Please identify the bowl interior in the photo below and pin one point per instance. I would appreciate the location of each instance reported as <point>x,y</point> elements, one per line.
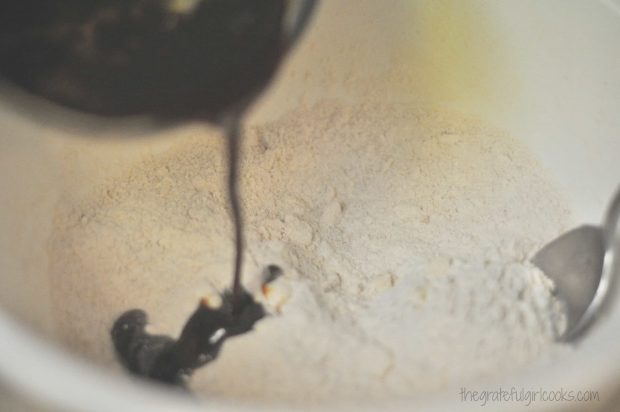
<point>544,71</point>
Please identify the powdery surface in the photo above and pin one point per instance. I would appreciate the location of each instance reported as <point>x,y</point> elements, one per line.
<point>404,235</point>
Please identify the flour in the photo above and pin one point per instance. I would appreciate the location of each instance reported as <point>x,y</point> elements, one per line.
<point>404,235</point>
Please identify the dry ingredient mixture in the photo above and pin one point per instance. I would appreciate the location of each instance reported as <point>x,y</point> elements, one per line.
<point>403,233</point>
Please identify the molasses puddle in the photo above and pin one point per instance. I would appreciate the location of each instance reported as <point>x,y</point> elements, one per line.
<point>163,359</point>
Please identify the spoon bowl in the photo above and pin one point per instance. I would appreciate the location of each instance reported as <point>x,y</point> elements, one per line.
<point>581,263</point>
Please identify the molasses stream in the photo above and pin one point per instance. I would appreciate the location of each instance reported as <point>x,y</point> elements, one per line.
<point>172,60</point>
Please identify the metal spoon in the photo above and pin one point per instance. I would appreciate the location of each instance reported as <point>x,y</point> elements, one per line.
<point>583,264</point>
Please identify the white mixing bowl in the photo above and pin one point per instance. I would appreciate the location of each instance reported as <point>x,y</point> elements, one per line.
<point>547,71</point>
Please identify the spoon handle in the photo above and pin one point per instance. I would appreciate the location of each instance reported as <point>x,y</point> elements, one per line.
<point>610,224</point>
<point>611,239</point>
